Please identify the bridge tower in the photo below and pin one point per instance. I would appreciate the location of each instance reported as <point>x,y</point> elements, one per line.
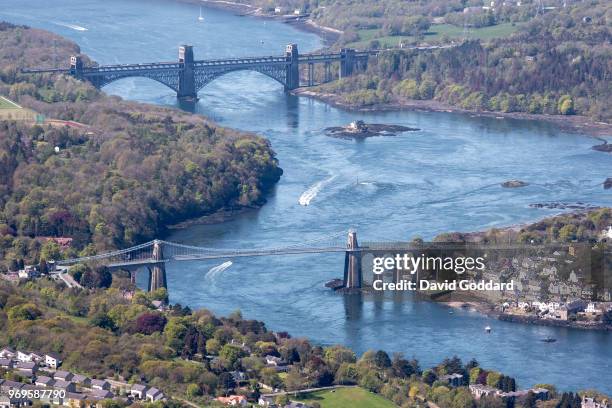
<point>352,263</point>
<point>157,277</point>
<point>347,62</point>
<point>76,66</point>
<point>292,73</point>
<point>187,87</point>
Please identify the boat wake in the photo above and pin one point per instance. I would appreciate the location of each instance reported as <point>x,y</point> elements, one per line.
<point>72,26</point>
<point>312,191</point>
<point>216,270</point>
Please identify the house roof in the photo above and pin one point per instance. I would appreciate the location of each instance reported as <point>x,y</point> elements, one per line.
<point>5,361</point>
<point>44,380</point>
<point>99,382</point>
<point>61,384</point>
<point>76,396</point>
<point>451,376</point>
<point>101,394</point>
<point>153,391</point>
<point>79,378</point>
<point>53,355</point>
<point>26,365</point>
<point>139,387</point>
<point>11,384</point>
<point>62,374</point>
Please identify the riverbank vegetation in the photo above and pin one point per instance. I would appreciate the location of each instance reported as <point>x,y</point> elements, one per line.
<point>582,226</point>
<point>194,355</point>
<point>108,173</point>
<point>529,56</point>
<point>555,64</point>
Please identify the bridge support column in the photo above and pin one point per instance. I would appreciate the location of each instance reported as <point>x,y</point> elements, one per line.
<point>347,62</point>
<point>327,72</point>
<point>352,263</point>
<point>311,74</point>
<point>157,277</point>
<point>292,73</point>
<point>187,87</point>
<point>133,277</point>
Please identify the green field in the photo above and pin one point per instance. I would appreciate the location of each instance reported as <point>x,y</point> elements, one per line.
<point>6,104</point>
<point>436,33</point>
<point>347,397</point>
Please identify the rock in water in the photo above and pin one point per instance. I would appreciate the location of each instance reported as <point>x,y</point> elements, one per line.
<point>514,184</point>
<point>608,183</point>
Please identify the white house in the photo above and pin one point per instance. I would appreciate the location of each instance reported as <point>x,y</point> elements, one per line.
<point>153,394</point>
<point>139,391</point>
<point>266,400</point>
<point>7,352</point>
<point>24,356</point>
<point>53,360</point>
<point>274,361</point>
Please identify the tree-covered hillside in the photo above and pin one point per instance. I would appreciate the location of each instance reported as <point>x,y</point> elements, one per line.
<point>122,177</point>
<point>534,56</point>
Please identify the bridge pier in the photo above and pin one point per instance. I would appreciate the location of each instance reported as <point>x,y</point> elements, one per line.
<point>347,62</point>
<point>327,77</point>
<point>157,273</point>
<point>352,263</point>
<point>187,86</point>
<point>292,70</point>
<point>310,74</point>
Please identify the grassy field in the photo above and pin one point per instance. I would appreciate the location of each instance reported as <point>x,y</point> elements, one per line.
<point>435,33</point>
<point>6,104</point>
<point>347,397</point>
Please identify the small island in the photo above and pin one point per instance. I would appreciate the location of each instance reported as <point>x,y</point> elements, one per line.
<point>360,130</point>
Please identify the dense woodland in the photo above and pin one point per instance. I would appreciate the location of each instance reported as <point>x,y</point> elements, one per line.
<point>120,180</point>
<point>556,63</point>
<point>557,59</point>
<point>103,333</point>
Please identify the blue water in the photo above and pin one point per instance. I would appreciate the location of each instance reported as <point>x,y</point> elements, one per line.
<point>445,177</point>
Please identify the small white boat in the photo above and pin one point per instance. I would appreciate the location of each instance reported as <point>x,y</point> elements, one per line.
<point>488,329</point>
<point>200,17</point>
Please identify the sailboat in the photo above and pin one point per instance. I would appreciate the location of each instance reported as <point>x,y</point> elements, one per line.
<point>200,18</point>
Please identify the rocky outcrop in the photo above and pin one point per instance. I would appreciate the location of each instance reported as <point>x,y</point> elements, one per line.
<point>514,184</point>
<point>361,130</point>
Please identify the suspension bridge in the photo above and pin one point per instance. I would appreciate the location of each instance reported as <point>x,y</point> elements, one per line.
<point>154,255</point>
<point>187,76</point>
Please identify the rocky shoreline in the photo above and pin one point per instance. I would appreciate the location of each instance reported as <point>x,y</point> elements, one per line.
<point>570,123</point>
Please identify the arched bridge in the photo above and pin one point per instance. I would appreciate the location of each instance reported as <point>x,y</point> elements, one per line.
<point>187,76</point>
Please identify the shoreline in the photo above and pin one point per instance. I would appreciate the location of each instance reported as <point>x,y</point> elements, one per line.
<point>569,123</point>
<point>328,35</point>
